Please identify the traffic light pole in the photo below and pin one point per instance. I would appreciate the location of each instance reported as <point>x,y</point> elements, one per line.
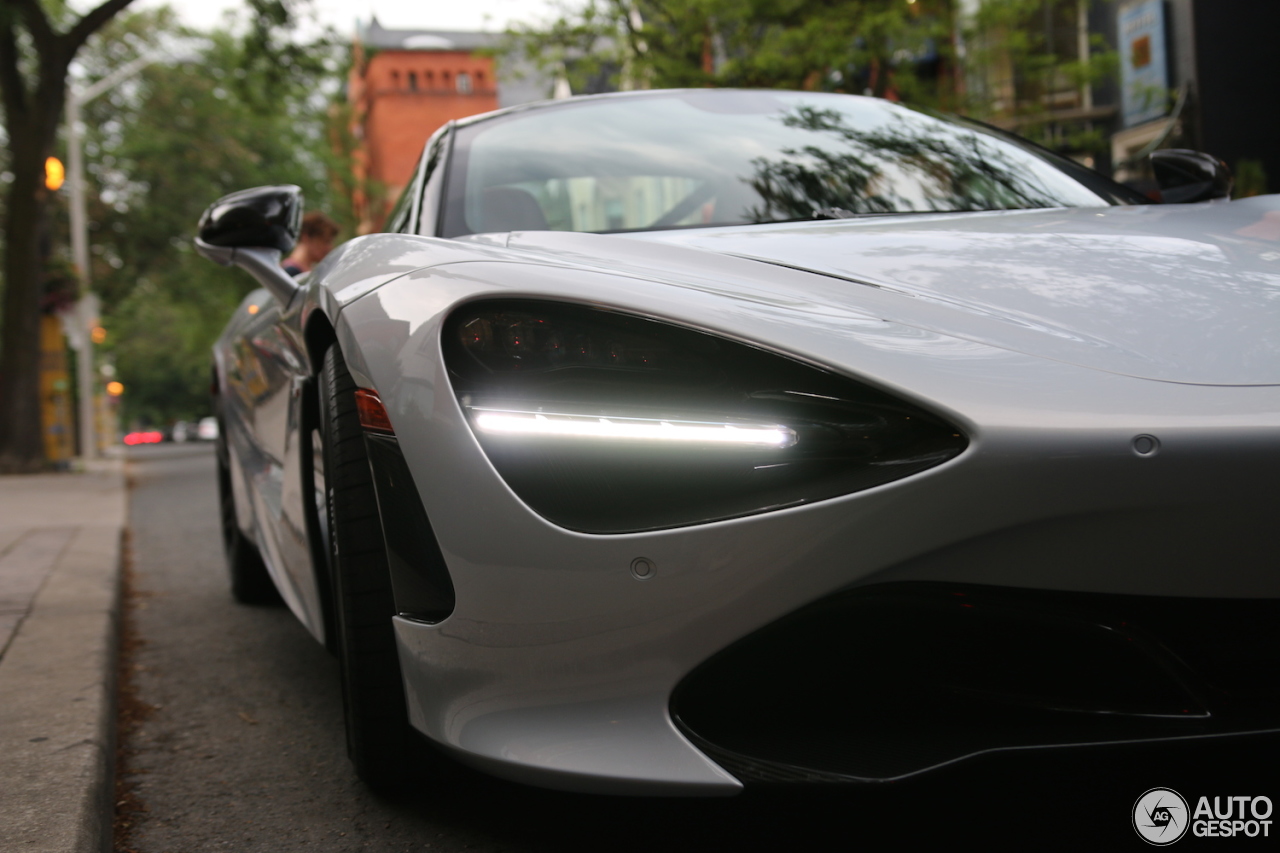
<point>82,336</point>
<point>86,311</point>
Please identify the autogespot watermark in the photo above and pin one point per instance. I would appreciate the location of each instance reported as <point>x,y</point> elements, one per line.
<point>1161,816</point>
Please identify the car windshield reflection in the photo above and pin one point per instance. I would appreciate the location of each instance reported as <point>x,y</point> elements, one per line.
<point>700,159</point>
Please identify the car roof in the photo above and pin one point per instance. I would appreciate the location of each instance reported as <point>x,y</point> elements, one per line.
<point>577,100</point>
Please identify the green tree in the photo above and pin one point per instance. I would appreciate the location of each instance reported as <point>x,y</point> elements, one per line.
<point>1025,65</point>
<point>160,150</point>
<point>885,47</point>
<point>1017,63</point>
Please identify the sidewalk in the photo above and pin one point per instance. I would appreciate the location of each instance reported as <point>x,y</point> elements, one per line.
<point>60,540</point>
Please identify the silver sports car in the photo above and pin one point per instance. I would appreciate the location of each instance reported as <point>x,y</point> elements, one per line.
<point>670,442</point>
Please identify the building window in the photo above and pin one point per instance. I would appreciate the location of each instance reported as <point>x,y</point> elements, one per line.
<point>413,81</point>
<point>430,79</point>
<point>464,83</point>
<point>444,75</point>
<point>395,79</point>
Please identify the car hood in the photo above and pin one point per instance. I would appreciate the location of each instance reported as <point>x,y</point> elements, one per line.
<point>1178,293</point>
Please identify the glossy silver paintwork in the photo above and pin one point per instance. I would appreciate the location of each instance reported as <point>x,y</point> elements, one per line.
<point>1181,293</point>
<point>557,665</point>
<point>261,371</point>
<point>261,263</point>
<point>262,362</point>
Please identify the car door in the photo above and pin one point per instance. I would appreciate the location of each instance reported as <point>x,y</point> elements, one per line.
<point>268,377</point>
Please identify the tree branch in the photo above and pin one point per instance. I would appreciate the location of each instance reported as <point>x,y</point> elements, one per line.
<point>42,32</point>
<point>91,22</point>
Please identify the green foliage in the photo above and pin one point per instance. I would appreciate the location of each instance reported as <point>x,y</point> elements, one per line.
<point>161,341</point>
<point>277,66</point>
<point>1251,178</point>
<point>583,43</point>
<point>1023,61</point>
<point>159,149</point>
<point>889,47</point>
<point>1021,58</point>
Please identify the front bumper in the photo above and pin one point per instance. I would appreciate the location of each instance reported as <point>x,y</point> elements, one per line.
<point>885,681</point>
<point>558,665</point>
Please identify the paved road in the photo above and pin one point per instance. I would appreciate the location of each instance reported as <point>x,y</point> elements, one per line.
<point>245,751</point>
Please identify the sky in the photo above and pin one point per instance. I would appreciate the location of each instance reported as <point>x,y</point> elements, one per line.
<point>493,15</point>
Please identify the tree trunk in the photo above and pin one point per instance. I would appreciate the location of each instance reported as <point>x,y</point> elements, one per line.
<point>21,441</point>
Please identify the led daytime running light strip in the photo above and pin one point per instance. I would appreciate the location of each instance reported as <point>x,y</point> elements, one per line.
<point>503,422</point>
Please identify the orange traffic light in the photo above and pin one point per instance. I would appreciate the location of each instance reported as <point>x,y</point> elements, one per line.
<point>98,334</point>
<point>54,173</point>
<point>115,389</point>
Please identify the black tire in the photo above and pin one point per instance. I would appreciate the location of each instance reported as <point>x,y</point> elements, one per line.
<point>250,581</point>
<point>380,741</point>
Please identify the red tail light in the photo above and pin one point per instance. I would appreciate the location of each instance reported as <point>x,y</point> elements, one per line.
<point>373,415</point>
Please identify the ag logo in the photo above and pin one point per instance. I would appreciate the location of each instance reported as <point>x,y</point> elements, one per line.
<point>1160,816</point>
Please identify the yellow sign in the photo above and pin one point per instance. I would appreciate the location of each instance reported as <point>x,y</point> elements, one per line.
<point>54,173</point>
<point>55,397</point>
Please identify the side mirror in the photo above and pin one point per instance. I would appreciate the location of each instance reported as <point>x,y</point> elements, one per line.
<point>251,229</point>
<point>260,218</point>
<point>1188,176</point>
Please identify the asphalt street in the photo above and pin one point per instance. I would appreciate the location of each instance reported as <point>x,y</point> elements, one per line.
<point>244,750</point>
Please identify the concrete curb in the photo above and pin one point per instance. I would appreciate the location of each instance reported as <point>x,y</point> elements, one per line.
<point>57,690</point>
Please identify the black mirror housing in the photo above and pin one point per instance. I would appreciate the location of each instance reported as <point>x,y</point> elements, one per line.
<point>260,218</point>
<point>1187,176</point>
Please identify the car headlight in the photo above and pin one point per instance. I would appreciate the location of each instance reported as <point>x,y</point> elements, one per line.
<point>605,422</point>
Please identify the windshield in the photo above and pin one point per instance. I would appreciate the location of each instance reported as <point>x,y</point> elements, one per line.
<point>716,157</point>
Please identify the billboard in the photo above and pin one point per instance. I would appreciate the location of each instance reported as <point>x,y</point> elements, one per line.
<point>1144,69</point>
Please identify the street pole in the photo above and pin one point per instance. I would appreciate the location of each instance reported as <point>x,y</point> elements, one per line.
<point>82,322</point>
<point>85,317</point>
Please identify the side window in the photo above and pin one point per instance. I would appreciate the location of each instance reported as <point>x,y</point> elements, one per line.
<point>432,181</point>
<point>405,216</point>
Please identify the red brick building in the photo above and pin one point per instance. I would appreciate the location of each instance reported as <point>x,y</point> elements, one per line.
<point>404,84</point>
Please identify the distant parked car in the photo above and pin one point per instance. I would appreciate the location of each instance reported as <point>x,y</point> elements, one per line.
<point>149,436</point>
<point>207,429</point>
<point>184,431</point>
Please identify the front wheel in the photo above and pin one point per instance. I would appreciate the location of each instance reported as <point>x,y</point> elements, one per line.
<point>380,740</point>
